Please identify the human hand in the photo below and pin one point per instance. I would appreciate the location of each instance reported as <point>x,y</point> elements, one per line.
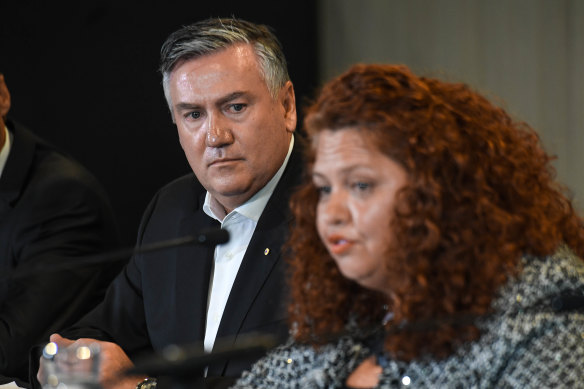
<point>113,363</point>
<point>366,375</point>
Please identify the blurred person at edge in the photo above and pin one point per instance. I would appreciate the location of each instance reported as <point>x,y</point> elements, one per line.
<point>431,237</point>
<point>52,212</point>
<point>229,93</point>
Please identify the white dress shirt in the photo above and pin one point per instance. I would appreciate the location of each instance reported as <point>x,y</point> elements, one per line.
<point>5,150</point>
<point>241,223</point>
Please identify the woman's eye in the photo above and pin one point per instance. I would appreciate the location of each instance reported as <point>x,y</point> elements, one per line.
<point>323,189</point>
<point>361,185</point>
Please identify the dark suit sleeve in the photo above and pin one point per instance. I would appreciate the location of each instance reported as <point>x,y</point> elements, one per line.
<point>120,317</point>
<point>62,217</point>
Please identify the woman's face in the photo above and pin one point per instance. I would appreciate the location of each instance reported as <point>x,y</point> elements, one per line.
<point>357,187</point>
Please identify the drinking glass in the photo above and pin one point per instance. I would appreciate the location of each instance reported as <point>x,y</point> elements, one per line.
<point>73,367</point>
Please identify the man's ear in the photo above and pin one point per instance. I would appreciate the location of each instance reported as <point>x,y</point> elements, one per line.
<point>288,101</point>
<point>4,97</point>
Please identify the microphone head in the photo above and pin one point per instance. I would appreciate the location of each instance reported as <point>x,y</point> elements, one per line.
<point>567,302</point>
<point>212,236</point>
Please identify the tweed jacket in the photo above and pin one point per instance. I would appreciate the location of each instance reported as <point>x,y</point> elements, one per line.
<point>534,339</point>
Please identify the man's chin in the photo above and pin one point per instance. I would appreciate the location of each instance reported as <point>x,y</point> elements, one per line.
<point>230,188</point>
<point>232,195</point>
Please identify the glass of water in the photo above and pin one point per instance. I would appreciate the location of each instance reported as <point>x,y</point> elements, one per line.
<point>73,367</point>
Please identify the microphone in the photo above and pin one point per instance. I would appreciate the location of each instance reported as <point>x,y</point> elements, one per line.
<point>568,302</point>
<point>183,361</point>
<point>207,237</point>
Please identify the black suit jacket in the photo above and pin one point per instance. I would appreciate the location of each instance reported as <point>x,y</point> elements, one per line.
<point>51,210</point>
<point>161,298</point>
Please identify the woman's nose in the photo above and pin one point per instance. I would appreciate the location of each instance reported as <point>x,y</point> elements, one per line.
<point>334,210</point>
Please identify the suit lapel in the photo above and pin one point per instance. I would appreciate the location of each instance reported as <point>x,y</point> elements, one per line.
<point>260,257</point>
<point>262,254</point>
<point>193,269</point>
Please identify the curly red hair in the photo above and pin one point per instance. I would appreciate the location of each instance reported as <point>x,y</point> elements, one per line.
<point>481,193</point>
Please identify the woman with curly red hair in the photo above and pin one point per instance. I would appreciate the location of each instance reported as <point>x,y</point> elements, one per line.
<point>431,246</point>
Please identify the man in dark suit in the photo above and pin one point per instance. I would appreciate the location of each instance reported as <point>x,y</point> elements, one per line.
<point>52,212</point>
<point>230,95</point>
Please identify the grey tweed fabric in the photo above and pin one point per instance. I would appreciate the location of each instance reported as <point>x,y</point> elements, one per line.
<point>529,342</point>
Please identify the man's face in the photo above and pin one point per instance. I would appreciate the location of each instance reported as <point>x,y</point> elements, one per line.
<point>4,108</point>
<point>4,97</point>
<point>234,134</point>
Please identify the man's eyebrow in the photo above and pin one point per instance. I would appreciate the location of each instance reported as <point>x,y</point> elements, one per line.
<point>186,106</point>
<point>230,97</point>
<point>220,101</point>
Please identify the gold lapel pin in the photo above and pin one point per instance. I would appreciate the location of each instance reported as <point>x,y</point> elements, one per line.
<point>266,251</point>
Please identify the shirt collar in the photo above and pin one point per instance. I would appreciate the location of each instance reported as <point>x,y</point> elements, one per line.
<point>5,150</point>
<point>253,208</point>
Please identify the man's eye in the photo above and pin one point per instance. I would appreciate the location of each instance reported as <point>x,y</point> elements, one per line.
<point>237,107</point>
<point>194,115</point>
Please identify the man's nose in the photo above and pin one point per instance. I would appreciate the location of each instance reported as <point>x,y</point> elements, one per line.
<point>218,134</point>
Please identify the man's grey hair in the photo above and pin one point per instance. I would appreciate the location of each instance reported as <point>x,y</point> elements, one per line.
<point>211,35</point>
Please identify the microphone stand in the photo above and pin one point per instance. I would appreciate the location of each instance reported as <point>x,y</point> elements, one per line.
<point>207,237</point>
